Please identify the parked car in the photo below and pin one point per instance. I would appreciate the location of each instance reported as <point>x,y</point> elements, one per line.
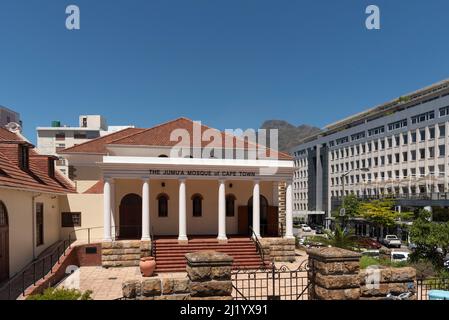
<point>392,240</point>
<point>368,243</point>
<point>319,230</point>
<point>371,253</point>
<point>306,228</point>
<point>399,256</point>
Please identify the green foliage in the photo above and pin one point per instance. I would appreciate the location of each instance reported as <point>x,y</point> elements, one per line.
<point>428,236</point>
<point>62,294</point>
<point>379,212</point>
<point>367,261</point>
<point>338,238</point>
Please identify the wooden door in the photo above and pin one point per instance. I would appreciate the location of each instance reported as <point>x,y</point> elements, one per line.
<point>131,217</point>
<point>273,222</point>
<point>243,222</point>
<point>4,243</point>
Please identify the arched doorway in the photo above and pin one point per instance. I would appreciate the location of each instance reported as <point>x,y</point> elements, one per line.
<point>131,217</point>
<point>4,243</point>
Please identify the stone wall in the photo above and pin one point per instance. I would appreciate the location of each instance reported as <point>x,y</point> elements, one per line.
<point>335,275</point>
<point>208,278</point>
<point>378,282</point>
<point>126,253</point>
<point>278,249</point>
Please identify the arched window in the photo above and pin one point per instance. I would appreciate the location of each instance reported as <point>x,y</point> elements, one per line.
<point>162,208</point>
<point>230,205</point>
<point>3,215</point>
<point>197,205</point>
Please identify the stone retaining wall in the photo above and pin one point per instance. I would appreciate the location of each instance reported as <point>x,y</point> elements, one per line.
<point>126,253</point>
<point>378,282</point>
<point>335,275</point>
<point>278,249</point>
<point>208,278</point>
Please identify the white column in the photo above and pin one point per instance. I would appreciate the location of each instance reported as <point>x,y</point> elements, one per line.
<point>113,226</point>
<point>182,211</point>
<point>256,208</point>
<point>289,211</point>
<point>222,211</point>
<point>107,210</point>
<point>146,210</point>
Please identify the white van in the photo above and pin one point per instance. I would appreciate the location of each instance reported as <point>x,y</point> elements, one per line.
<point>399,256</point>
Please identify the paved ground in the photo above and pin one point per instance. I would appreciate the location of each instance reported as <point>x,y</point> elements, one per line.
<point>106,284</point>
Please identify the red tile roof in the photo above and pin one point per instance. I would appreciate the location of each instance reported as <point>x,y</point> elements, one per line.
<point>98,146</point>
<point>158,136</point>
<point>36,178</point>
<point>96,188</point>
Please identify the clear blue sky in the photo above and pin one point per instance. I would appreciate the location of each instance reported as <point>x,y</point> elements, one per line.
<point>229,63</point>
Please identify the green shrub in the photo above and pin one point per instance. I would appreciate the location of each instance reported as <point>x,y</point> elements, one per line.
<point>62,294</point>
<point>367,261</point>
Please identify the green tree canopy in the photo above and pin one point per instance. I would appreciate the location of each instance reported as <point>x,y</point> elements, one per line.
<point>379,212</point>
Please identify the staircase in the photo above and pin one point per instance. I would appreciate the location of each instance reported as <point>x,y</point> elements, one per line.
<point>170,255</point>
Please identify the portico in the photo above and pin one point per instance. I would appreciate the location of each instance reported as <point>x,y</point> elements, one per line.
<point>207,200</point>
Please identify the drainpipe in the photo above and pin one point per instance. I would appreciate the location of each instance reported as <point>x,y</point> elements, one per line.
<point>33,225</point>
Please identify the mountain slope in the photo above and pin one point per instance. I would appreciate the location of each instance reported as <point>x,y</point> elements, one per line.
<point>289,135</point>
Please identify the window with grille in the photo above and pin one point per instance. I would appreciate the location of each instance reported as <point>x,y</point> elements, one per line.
<point>39,224</point>
<point>71,219</point>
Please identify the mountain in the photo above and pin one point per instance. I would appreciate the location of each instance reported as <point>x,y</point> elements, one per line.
<point>289,135</point>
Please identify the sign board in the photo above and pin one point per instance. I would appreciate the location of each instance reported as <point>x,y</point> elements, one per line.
<point>201,173</point>
<point>342,212</point>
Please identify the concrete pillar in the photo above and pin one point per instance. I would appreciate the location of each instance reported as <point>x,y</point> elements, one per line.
<point>222,211</point>
<point>289,211</point>
<point>256,208</point>
<point>107,210</point>
<point>146,210</point>
<point>182,236</point>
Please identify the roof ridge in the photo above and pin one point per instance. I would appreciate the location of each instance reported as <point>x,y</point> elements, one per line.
<point>152,128</point>
<point>103,137</point>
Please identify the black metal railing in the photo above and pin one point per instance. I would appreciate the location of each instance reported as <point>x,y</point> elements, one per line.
<point>153,244</point>
<point>259,248</point>
<point>425,285</point>
<point>404,196</point>
<point>30,275</point>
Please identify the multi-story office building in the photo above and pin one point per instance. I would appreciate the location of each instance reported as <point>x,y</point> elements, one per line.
<point>51,140</point>
<point>400,149</point>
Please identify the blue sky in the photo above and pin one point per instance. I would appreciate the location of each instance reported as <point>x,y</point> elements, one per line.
<point>229,63</point>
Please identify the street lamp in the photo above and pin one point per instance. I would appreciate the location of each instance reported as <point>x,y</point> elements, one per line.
<point>343,176</point>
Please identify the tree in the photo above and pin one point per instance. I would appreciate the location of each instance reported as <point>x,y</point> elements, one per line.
<point>379,212</point>
<point>351,204</point>
<point>431,239</point>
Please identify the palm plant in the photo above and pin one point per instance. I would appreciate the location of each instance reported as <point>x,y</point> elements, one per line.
<point>339,238</point>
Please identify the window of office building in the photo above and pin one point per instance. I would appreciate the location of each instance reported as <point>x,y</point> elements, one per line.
<point>405,138</point>
<point>376,145</point>
<point>390,159</point>
<point>422,153</point>
<point>413,171</point>
<point>442,130</point>
<point>396,158</point>
<point>431,152</point>
<point>422,134</point>
<point>423,117</point>
<point>413,155</point>
<point>376,162</point>
<point>376,131</point>
<point>441,169</point>
<point>431,170</point>
<point>404,173</point>
<point>432,133</point>
<point>382,160</point>
<point>444,111</point>
<point>397,125</point>
<point>413,134</point>
<point>422,171</point>
<point>382,144</point>
<point>442,150</point>
<point>404,156</point>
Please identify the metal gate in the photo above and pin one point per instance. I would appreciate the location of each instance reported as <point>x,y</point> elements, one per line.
<point>271,283</point>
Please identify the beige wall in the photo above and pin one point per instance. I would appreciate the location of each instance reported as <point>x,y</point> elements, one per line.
<point>91,206</point>
<point>21,230</point>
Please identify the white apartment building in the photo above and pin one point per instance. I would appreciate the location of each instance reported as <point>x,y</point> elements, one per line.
<point>8,116</point>
<point>399,149</point>
<point>51,140</point>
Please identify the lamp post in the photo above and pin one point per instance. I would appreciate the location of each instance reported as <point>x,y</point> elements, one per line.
<point>343,176</point>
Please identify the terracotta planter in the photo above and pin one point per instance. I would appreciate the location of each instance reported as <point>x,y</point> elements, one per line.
<point>147,266</point>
